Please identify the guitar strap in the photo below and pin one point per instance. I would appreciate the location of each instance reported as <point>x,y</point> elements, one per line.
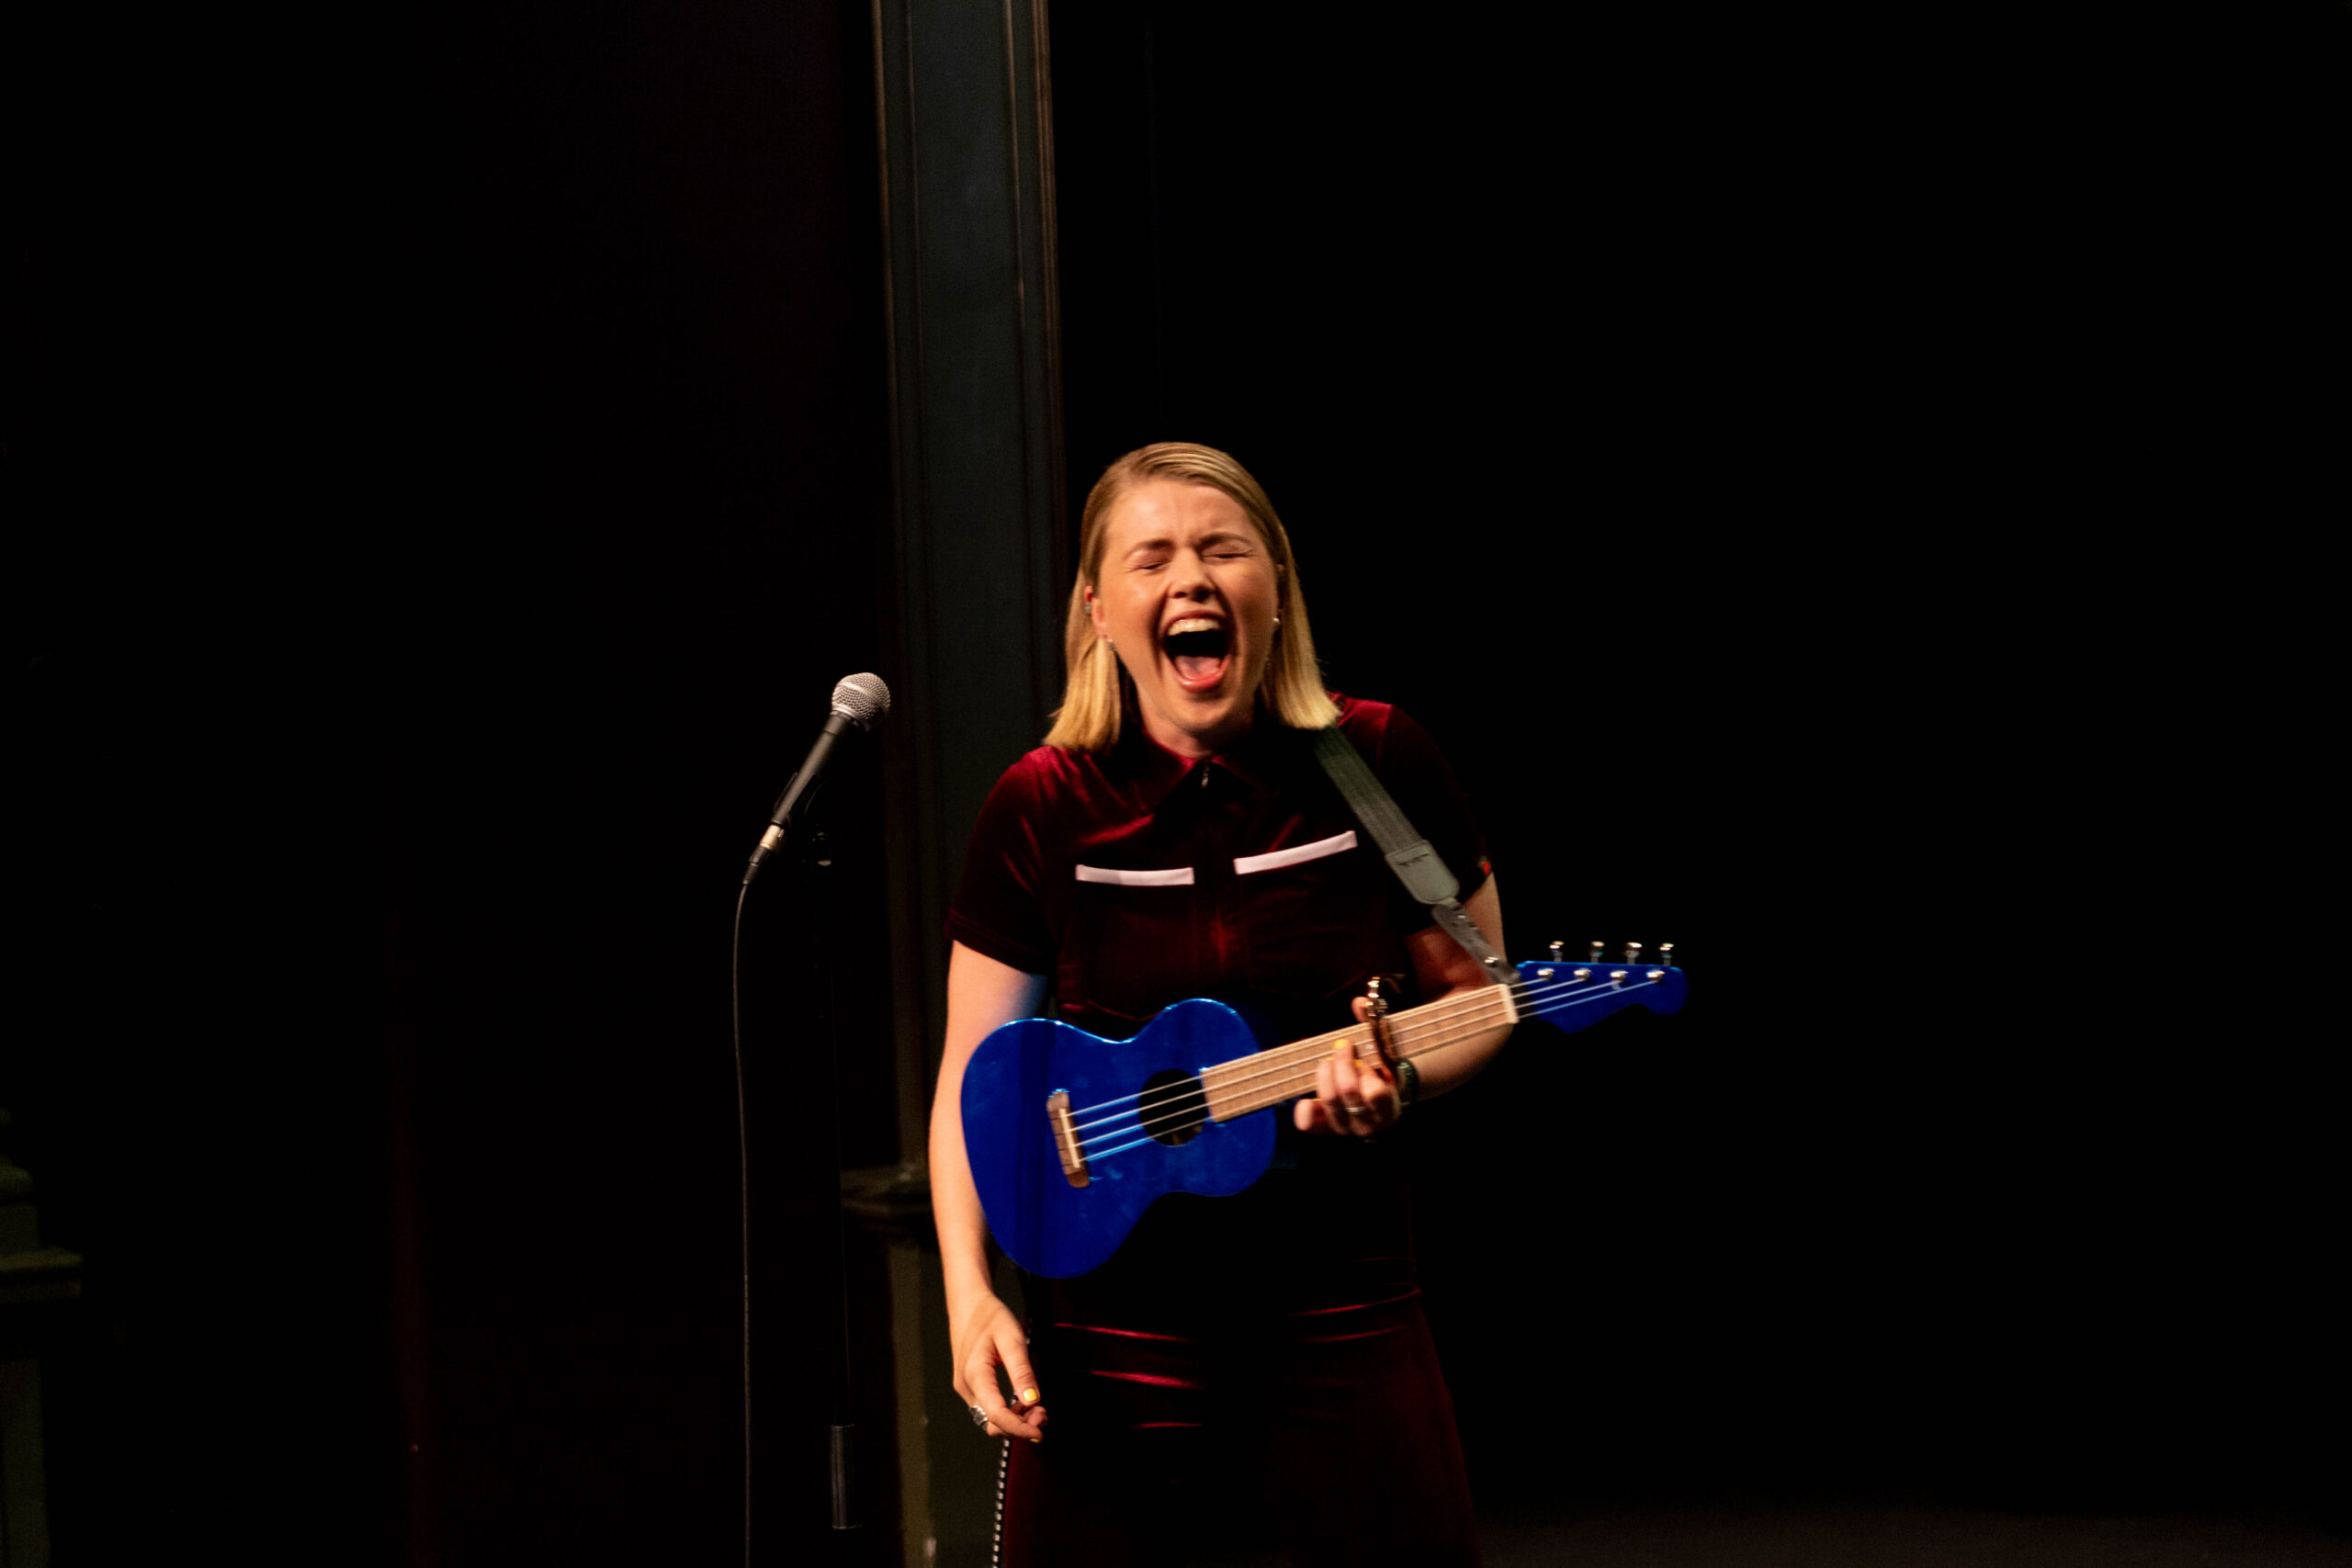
<point>1408,854</point>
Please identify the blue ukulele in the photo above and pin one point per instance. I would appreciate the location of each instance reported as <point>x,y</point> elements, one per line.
<point>1071,1137</point>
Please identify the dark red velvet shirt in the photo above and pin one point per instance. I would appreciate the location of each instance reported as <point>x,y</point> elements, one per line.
<point>1135,878</point>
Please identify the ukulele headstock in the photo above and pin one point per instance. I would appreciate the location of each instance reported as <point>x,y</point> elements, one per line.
<point>1571,990</point>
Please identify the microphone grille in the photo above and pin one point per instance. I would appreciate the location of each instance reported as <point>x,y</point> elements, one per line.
<point>861,699</point>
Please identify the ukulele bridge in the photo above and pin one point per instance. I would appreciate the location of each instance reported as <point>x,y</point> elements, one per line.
<point>1065,1137</point>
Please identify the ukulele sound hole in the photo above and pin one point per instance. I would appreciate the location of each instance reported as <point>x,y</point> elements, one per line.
<point>1173,1106</point>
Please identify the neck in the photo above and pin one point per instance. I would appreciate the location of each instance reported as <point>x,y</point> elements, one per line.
<point>1252,1083</point>
<point>1196,744</point>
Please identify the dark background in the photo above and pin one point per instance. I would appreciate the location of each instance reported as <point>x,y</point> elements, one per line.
<point>457,464</point>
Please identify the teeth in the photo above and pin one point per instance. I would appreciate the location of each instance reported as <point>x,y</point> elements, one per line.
<point>1194,624</point>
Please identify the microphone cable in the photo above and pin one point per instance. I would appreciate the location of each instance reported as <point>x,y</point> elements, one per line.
<point>743,1197</point>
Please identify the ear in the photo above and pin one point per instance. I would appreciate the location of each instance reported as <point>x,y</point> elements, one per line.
<point>1094,612</point>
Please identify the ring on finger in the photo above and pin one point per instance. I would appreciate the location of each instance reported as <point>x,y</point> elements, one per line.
<point>980,1417</point>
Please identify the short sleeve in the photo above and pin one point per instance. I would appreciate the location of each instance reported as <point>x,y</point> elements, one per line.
<point>1418,778</point>
<point>1000,906</point>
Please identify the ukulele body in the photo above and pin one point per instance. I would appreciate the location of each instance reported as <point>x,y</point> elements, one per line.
<point>1046,1224</point>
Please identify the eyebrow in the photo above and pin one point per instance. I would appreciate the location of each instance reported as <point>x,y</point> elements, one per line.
<point>1222,536</point>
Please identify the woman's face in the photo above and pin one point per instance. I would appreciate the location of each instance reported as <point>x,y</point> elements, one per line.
<point>1186,593</point>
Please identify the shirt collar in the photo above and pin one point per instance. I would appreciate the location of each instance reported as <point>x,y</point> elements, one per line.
<point>1255,761</point>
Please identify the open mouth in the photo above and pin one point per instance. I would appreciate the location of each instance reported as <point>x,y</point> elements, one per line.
<point>1197,649</point>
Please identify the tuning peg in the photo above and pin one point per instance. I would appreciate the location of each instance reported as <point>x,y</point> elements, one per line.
<point>1666,954</point>
<point>1617,977</point>
<point>1633,952</point>
<point>1559,953</point>
<point>1595,953</point>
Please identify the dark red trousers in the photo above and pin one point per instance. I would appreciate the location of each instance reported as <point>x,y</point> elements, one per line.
<point>1205,1423</point>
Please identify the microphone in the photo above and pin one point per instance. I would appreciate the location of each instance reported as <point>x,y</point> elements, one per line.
<point>859,700</point>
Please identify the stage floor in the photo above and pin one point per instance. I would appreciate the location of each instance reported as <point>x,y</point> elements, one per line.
<point>1899,1537</point>
<point>1893,1536</point>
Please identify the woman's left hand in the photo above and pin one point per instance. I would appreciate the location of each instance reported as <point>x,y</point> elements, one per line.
<point>1353,1099</point>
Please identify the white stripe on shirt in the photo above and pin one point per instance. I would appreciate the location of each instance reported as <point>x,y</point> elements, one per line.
<point>1180,878</point>
<point>1244,864</point>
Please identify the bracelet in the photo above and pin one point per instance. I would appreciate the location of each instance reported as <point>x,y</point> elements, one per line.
<point>1409,1084</point>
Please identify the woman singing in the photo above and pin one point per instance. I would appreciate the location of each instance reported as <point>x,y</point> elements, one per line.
<point>1250,1362</point>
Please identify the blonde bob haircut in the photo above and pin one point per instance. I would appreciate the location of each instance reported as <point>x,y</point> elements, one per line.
<point>1100,695</point>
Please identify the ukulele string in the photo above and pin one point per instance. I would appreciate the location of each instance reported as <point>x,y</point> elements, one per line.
<point>1094,1157</point>
<point>1434,1012</point>
<point>1299,1061</point>
<point>1280,1059</point>
<point>1298,1073</point>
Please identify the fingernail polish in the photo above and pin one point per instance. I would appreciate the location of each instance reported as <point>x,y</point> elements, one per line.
<point>1028,1397</point>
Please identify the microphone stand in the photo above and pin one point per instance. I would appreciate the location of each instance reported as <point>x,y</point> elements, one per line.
<point>812,858</point>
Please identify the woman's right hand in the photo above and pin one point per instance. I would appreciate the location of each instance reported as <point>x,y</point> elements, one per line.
<point>989,1337</point>
<point>982,995</point>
